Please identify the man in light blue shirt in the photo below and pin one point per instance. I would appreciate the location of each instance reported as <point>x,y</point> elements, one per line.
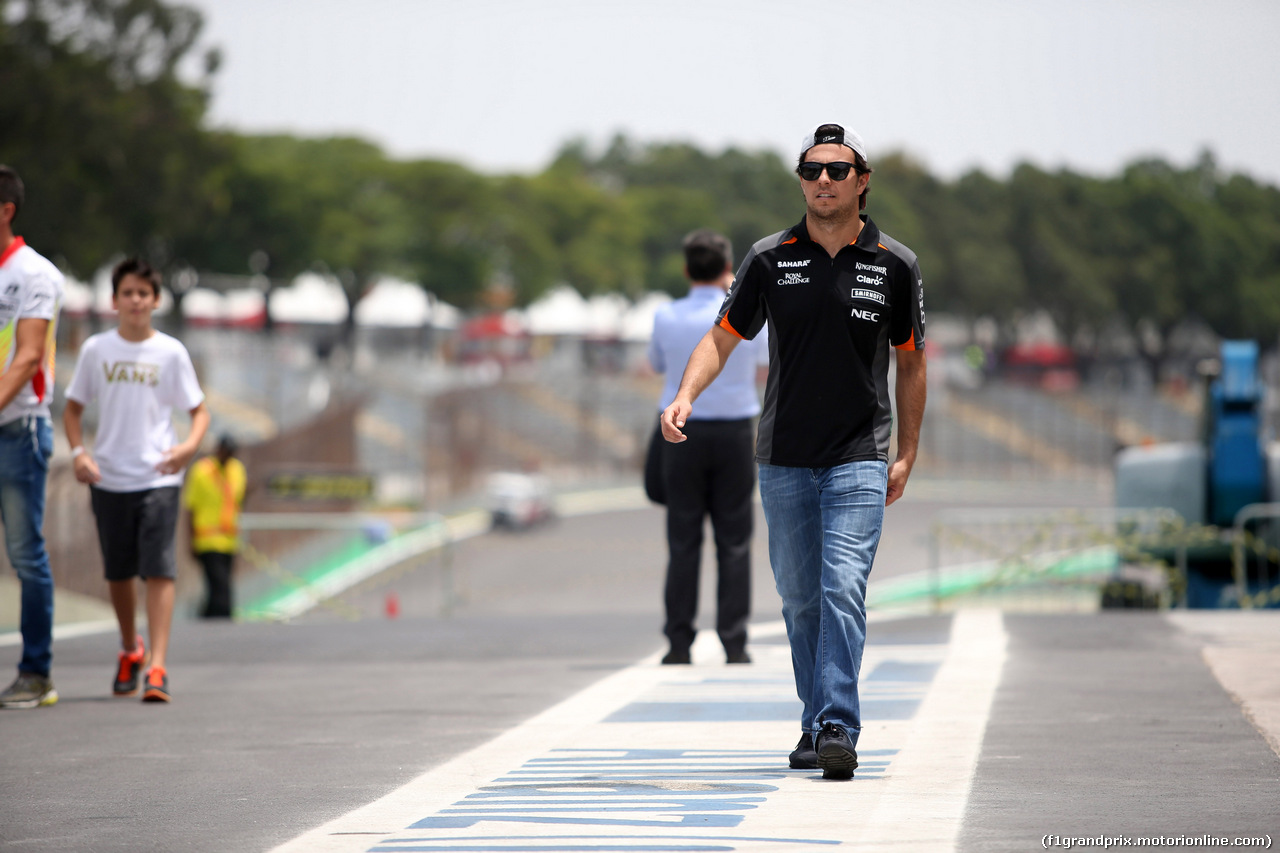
<point>713,472</point>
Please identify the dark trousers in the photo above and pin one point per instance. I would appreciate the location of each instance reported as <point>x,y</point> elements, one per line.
<point>712,473</point>
<point>217,576</point>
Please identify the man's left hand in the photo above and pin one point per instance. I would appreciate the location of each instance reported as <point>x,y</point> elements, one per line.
<point>898,473</point>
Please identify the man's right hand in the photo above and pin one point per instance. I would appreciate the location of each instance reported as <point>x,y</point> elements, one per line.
<point>673,418</point>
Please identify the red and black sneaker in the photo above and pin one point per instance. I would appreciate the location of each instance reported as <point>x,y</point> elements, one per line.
<point>131,663</point>
<point>157,686</point>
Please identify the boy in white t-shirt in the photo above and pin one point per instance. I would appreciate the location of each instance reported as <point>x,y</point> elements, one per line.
<point>137,374</point>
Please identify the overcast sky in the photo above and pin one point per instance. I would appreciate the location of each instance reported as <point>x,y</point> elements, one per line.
<point>501,84</point>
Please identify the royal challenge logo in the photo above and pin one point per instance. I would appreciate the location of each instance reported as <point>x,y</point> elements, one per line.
<point>792,277</point>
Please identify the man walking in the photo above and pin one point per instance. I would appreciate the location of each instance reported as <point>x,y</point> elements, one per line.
<point>711,473</point>
<point>838,293</point>
<point>30,293</point>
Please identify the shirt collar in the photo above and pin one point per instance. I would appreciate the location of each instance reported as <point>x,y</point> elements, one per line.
<point>17,244</point>
<point>705,290</point>
<point>868,240</point>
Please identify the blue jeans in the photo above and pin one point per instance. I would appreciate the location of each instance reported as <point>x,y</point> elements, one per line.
<point>824,526</point>
<point>25,447</point>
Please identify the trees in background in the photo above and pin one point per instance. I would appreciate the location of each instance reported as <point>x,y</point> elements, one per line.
<point>111,140</point>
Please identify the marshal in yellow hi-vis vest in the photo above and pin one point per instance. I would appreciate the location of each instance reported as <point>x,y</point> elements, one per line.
<point>215,492</point>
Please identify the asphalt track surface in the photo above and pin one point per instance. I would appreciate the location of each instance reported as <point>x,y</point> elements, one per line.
<point>1095,724</point>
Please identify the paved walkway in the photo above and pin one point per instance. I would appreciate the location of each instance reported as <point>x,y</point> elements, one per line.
<point>694,758</point>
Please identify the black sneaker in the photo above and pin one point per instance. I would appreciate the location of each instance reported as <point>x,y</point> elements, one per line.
<point>804,756</point>
<point>677,656</point>
<point>157,689</point>
<point>737,656</point>
<point>128,669</point>
<point>836,755</point>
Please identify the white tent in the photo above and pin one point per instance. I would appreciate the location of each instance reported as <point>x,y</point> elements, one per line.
<point>311,298</point>
<point>204,306</point>
<point>77,297</point>
<point>604,315</point>
<point>394,303</point>
<point>637,322</point>
<point>561,311</point>
<point>245,305</point>
<point>444,315</point>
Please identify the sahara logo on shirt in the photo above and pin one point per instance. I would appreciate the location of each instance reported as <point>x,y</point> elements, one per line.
<point>133,371</point>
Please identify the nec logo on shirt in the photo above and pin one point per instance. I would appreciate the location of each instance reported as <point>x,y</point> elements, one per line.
<point>869,316</point>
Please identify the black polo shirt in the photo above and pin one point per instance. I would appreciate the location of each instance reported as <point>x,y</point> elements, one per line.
<point>832,322</point>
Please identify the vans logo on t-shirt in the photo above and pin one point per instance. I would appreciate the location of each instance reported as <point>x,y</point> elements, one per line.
<point>132,371</point>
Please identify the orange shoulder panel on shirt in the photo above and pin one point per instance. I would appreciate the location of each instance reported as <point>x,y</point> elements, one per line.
<point>789,242</point>
<point>724,324</point>
<point>909,344</point>
<point>883,246</point>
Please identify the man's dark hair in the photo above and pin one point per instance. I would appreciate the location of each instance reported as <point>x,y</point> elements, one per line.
<point>707,254</point>
<point>134,266</point>
<point>11,189</point>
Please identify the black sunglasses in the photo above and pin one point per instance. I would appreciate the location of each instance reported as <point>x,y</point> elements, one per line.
<point>837,171</point>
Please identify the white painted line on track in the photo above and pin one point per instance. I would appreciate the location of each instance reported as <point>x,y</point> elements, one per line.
<point>928,784</point>
<point>66,632</point>
<point>695,758</point>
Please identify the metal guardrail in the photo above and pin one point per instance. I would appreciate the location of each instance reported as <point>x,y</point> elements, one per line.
<point>396,538</point>
<point>1265,554</point>
<point>1004,549</point>
<point>1008,548</point>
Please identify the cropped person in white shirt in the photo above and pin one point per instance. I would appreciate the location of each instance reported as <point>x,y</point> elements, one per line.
<point>137,375</point>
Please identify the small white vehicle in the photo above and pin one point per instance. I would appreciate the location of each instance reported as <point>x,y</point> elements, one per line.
<point>519,501</point>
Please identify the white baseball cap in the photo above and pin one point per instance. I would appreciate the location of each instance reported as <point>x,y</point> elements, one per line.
<point>834,133</point>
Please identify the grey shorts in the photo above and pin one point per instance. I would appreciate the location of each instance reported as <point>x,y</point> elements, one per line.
<point>136,531</point>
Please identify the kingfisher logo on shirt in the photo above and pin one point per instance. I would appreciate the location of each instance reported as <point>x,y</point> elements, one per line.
<point>137,372</point>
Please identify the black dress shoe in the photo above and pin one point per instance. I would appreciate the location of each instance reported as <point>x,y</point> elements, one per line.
<point>836,755</point>
<point>739,656</point>
<point>804,757</point>
<point>677,656</point>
